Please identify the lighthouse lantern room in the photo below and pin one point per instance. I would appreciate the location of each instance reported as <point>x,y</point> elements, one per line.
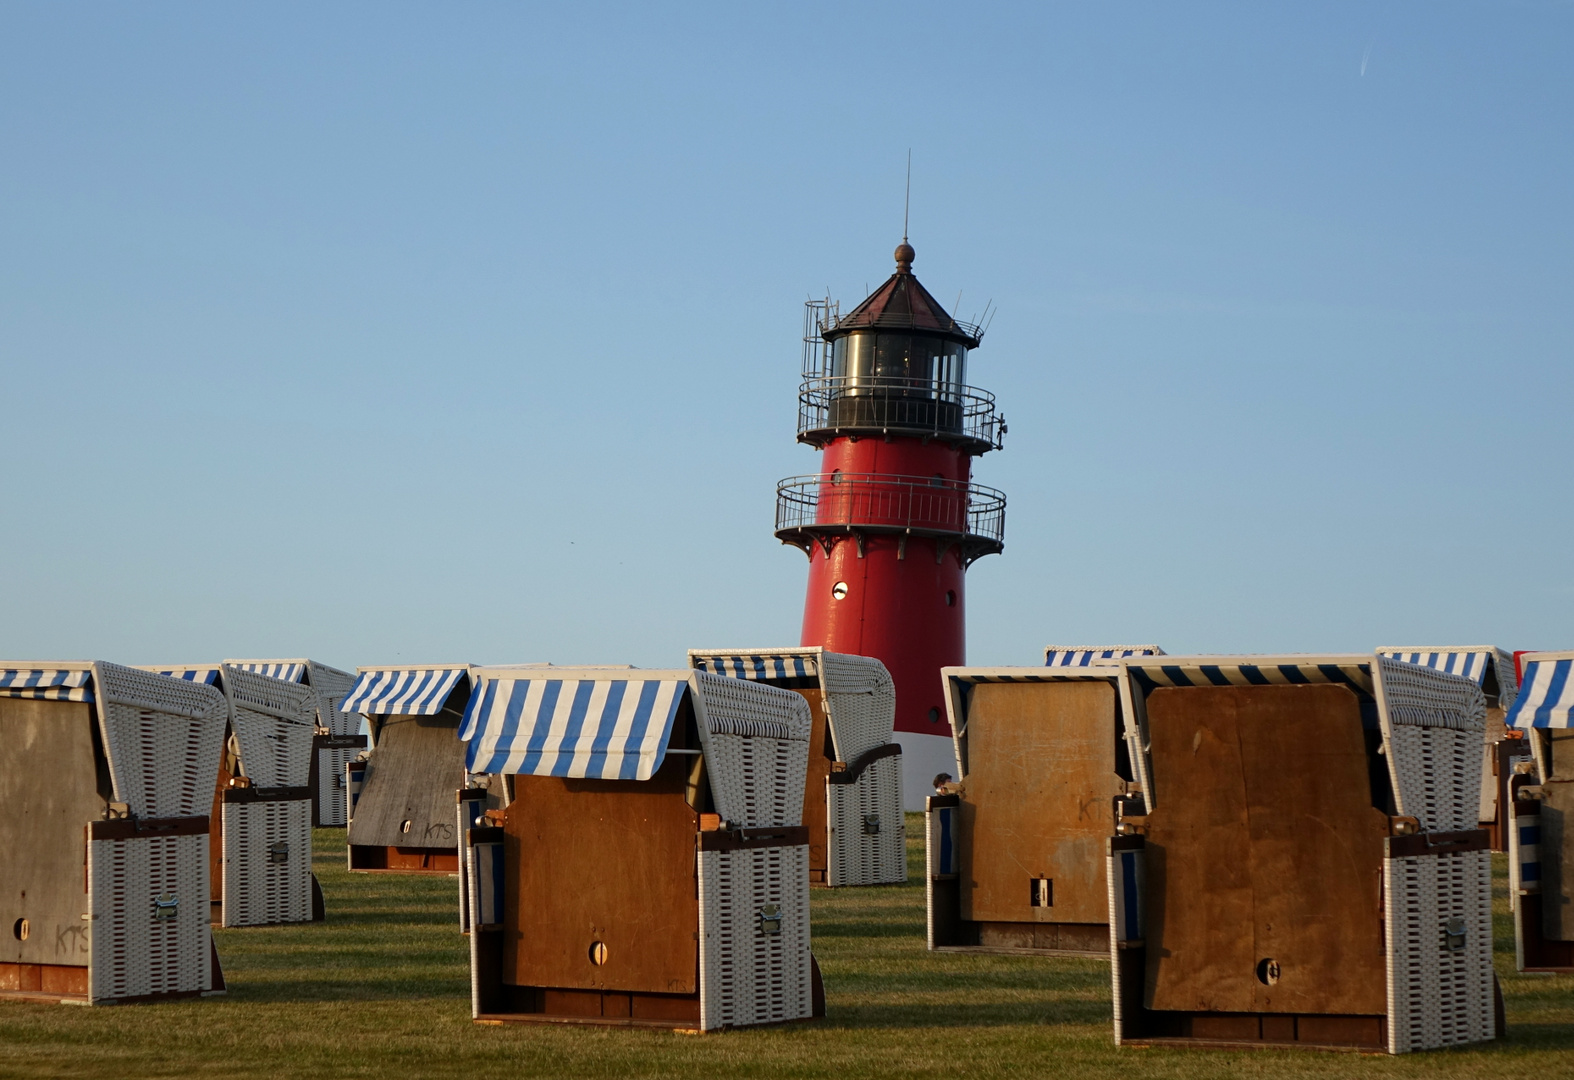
<point>892,520</point>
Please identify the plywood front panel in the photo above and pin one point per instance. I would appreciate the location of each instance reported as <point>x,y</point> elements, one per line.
<point>1264,846</point>
<point>1038,801</point>
<point>609,861</point>
<point>48,794</point>
<point>820,756</point>
<point>1557,860</point>
<point>411,776</point>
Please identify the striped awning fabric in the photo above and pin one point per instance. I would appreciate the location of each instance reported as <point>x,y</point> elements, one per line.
<point>49,684</point>
<point>759,665</point>
<point>286,672</point>
<point>1353,672</point>
<point>402,691</point>
<point>1471,663</point>
<point>1546,692</point>
<point>1083,655</point>
<point>207,676</point>
<point>607,727</point>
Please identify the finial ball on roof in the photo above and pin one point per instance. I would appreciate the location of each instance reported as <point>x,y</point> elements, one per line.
<point>904,255</point>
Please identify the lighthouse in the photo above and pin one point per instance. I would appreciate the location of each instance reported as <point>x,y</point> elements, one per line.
<point>893,519</point>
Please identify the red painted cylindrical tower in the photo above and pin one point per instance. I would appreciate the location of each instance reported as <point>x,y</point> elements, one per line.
<point>893,520</point>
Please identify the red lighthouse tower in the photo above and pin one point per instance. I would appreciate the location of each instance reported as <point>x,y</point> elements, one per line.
<point>893,519</point>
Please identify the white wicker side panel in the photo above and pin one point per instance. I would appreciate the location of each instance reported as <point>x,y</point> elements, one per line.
<point>331,801</point>
<point>857,856</point>
<point>133,952</point>
<point>274,752</point>
<point>1439,771</point>
<point>1437,995</point>
<point>263,882</point>
<point>331,686</point>
<point>757,781</point>
<point>749,976</point>
<point>861,700</point>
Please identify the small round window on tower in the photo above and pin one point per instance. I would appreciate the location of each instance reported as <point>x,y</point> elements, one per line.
<point>836,476</point>
<point>839,590</point>
<point>934,716</point>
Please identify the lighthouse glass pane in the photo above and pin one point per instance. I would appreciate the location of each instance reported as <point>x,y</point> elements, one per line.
<point>912,364</point>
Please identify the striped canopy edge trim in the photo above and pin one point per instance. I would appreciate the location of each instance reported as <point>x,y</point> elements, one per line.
<point>402,691</point>
<point>287,671</point>
<point>1546,693</point>
<point>1083,655</point>
<point>46,683</point>
<point>1470,661</point>
<point>610,725</point>
<point>207,676</point>
<point>1352,671</point>
<point>1082,673</point>
<point>761,665</point>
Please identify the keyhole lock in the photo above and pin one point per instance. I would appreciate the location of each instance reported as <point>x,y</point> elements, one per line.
<point>1268,971</point>
<point>598,953</point>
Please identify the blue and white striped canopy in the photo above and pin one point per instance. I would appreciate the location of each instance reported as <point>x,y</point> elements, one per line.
<point>286,672</point>
<point>608,728</point>
<point>48,684</point>
<point>1354,673</point>
<point>207,676</point>
<point>402,691</point>
<point>1083,655</point>
<point>1546,693</point>
<point>1471,663</point>
<point>759,665</point>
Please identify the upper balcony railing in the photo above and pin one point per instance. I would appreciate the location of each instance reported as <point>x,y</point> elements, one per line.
<point>832,406</point>
<point>820,507</point>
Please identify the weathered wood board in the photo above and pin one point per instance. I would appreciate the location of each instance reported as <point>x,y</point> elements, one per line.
<point>815,810</point>
<point>1557,859</point>
<point>50,788</point>
<point>411,776</point>
<point>1039,801</point>
<point>1264,847</point>
<point>608,861</point>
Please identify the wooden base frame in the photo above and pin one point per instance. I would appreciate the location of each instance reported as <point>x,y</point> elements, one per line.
<point>67,984</point>
<point>369,859</point>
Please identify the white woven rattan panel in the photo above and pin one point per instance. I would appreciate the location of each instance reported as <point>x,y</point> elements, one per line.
<point>133,953</point>
<point>330,686</point>
<point>858,857</point>
<point>748,976</point>
<point>162,737</point>
<point>274,721</point>
<point>860,700</point>
<point>1439,776</point>
<point>756,749</point>
<point>331,799</point>
<point>259,889</point>
<point>1437,995</point>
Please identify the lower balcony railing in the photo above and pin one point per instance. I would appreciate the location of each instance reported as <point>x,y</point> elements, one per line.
<point>818,507</point>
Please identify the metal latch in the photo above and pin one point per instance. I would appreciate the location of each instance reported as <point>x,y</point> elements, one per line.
<point>1454,935</point>
<point>871,824</point>
<point>165,907</point>
<point>771,919</point>
<point>279,852</point>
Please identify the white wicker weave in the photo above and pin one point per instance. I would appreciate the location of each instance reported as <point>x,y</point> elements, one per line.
<point>1432,728</point>
<point>332,795</point>
<point>273,721</point>
<point>162,737</point>
<point>267,862</point>
<point>749,975</point>
<point>134,954</point>
<point>868,840</point>
<point>329,686</point>
<point>1438,996</point>
<point>756,743</point>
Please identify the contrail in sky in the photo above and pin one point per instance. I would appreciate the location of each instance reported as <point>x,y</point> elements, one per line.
<point>1367,55</point>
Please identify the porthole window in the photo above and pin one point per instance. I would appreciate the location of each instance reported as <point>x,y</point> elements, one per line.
<point>934,716</point>
<point>839,590</point>
<point>836,477</point>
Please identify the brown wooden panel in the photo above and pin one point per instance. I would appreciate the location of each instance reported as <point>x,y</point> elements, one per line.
<point>411,776</point>
<point>821,754</point>
<point>49,792</point>
<point>1038,801</point>
<point>1557,859</point>
<point>1264,845</point>
<point>227,771</point>
<point>602,860</point>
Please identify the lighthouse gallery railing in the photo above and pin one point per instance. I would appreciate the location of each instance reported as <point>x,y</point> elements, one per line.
<point>919,504</point>
<point>828,404</point>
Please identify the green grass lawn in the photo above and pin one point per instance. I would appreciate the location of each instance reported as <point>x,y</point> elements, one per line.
<point>382,990</point>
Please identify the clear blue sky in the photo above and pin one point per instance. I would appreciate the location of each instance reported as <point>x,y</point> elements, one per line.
<point>402,333</point>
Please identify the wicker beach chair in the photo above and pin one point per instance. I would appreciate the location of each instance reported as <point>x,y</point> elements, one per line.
<point>260,844</point>
<point>1541,843</point>
<point>119,762</point>
<point>852,803</point>
<point>1015,847</point>
<point>1309,872</point>
<point>656,869</point>
<point>401,791</point>
<point>338,738</point>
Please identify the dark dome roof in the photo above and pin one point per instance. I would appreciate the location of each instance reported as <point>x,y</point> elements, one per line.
<point>903,304</point>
